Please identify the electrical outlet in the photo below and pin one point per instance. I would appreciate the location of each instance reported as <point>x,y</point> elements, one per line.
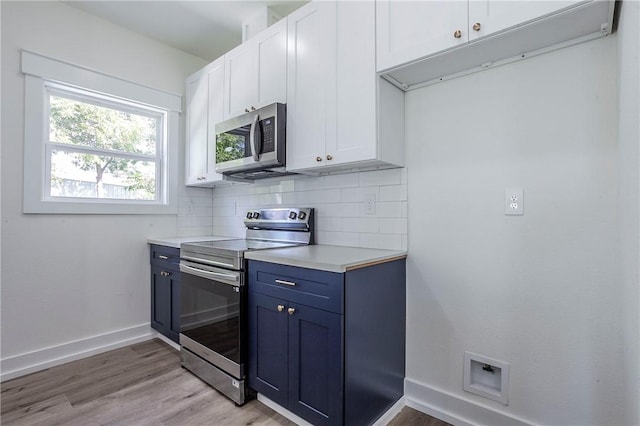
<point>370,204</point>
<point>514,201</point>
<point>189,208</point>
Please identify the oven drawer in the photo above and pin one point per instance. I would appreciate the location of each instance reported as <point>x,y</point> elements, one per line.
<point>318,289</point>
<point>165,257</point>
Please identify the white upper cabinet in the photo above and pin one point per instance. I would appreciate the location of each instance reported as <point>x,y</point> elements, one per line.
<point>311,92</point>
<point>204,94</point>
<point>256,71</point>
<point>334,95</point>
<point>424,42</point>
<point>490,16</point>
<point>407,30</point>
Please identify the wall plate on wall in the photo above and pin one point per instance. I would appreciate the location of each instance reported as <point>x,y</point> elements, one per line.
<point>486,377</point>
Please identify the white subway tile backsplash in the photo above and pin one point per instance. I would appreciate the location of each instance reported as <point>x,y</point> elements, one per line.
<point>393,193</point>
<point>338,201</point>
<point>284,186</point>
<point>345,180</point>
<point>388,209</point>
<point>339,209</point>
<point>351,239</point>
<point>308,183</point>
<point>360,224</point>
<point>194,221</point>
<point>393,225</point>
<point>306,197</point>
<point>380,177</point>
<point>327,223</point>
<point>223,211</point>
<point>381,241</point>
<point>359,194</point>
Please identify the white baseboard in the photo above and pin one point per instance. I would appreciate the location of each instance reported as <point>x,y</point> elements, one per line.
<point>30,362</point>
<point>391,413</point>
<point>166,340</point>
<point>382,420</point>
<point>454,409</point>
<point>283,411</point>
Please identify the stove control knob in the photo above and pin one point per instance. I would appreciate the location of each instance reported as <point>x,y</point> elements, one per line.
<point>292,215</point>
<point>302,215</point>
<point>256,215</point>
<point>249,215</point>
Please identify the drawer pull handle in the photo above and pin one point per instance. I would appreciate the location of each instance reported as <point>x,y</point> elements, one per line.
<point>280,308</point>
<point>285,282</point>
<point>291,310</point>
<point>163,257</point>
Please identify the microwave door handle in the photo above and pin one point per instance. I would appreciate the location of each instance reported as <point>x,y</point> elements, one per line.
<point>255,138</point>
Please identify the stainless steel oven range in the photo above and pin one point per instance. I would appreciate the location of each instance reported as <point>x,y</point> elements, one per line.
<point>213,331</point>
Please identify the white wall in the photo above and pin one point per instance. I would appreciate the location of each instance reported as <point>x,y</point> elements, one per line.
<point>629,178</point>
<point>542,292</point>
<point>70,278</point>
<point>338,200</point>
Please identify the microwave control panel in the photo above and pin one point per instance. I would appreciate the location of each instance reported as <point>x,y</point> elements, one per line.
<point>268,134</point>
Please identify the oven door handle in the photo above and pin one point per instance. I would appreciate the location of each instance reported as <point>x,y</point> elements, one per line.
<point>231,279</point>
<point>208,262</point>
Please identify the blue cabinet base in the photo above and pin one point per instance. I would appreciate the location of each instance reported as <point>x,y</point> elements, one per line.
<point>340,360</point>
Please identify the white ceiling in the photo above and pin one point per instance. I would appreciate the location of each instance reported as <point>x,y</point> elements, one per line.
<point>207,29</point>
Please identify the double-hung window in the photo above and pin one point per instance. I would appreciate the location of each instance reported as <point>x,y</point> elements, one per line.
<point>95,143</point>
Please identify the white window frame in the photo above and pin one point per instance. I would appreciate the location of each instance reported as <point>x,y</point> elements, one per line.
<point>42,74</point>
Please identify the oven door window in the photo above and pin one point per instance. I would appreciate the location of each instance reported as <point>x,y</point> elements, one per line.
<point>211,315</point>
<point>233,145</point>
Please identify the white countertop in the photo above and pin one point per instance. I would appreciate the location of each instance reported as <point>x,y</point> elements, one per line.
<point>176,241</point>
<point>326,258</point>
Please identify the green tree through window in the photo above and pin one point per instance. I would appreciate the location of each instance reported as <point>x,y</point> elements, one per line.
<point>103,142</point>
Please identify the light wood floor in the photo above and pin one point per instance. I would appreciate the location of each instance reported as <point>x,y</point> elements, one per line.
<point>141,384</point>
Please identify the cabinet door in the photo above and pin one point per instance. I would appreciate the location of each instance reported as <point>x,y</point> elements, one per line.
<point>165,302</point>
<point>490,16</point>
<point>409,30</point>
<point>204,109</point>
<point>216,114</point>
<point>160,300</point>
<point>239,80</point>
<point>268,356</point>
<point>196,128</point>
<point>356,138</point>
<point>316,365</point>
<point>270,50</point>
<point>311,84</point>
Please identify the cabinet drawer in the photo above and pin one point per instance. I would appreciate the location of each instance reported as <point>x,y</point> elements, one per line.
<point>318,289</point>
<point>165,257</point>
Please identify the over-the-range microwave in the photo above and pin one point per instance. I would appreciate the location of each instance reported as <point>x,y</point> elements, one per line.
<point>252,145</point>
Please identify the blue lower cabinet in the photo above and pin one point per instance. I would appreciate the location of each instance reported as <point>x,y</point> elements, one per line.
<point>328,347</point>
<point>315,365</point>
<point>268,350</point>
<point>165,292</point>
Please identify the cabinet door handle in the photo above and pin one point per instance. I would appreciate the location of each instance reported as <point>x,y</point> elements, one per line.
<point>246,110</point>
<point>165,274</point>
<point>457,34</point>
<point>291,310</point>
<point>285,282</point>
<point>329,157</point>
<point>477,26</point>
<point>280,308</point>
<point>253,108</point>
<point>318,159</point>
<point>162,256</point>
